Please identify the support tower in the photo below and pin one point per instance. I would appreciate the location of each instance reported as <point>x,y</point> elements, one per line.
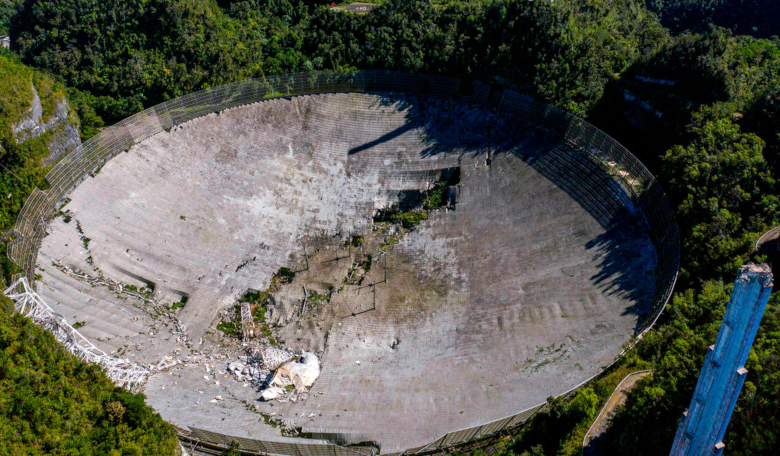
<point>704,424</point>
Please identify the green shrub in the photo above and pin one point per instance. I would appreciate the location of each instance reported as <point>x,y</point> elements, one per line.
<point>229,328</point>
<point>53,403</point>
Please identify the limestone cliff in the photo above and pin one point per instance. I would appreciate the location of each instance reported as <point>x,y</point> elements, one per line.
<point>64,127</point>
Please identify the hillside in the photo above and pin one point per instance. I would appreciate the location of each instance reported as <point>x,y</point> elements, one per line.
<point>37,125</point>
<point>53,403</point>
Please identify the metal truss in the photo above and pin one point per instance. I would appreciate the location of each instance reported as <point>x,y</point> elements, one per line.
<point>273,357</point>
<point>27,302</point>
<point>247,322</point>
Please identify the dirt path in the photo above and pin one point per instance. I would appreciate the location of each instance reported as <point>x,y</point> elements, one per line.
<point>590,444</point>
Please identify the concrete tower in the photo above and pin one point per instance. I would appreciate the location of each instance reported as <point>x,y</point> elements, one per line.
<point>704,423</point>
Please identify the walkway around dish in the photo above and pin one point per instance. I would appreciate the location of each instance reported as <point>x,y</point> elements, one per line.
<point>617,399</point>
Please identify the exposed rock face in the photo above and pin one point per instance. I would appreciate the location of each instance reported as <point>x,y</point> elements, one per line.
<point>29,127</point>
<point>65,135</point>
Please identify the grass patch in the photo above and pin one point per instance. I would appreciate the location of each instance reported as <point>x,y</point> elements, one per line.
<point>143,291</point>
<point>314,298</point>
<point>258,305</point>
<point>258,313</point>
<point>84,240</point>
<point>267,420</point>
<point>49,92</point>
<point>229,328</point>
<point>352,278</point>
<point>408,220</point>
<point>437,196</point>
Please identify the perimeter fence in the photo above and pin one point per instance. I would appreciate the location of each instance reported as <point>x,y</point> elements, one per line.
<point>586,158</point>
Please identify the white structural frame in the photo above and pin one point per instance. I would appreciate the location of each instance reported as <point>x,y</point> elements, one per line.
<point>27,302</point>
<point>247,322</point>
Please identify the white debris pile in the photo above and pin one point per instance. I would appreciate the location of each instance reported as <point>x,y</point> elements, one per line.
<point>292,379</point>
<point>248,369</point>
<point>272,392</point>
<point>301,372</point>
<point>165,364</point>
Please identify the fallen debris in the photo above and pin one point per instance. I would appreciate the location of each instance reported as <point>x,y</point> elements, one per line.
<point>247,369</point>
<point>272,393</point>
<point>273,357</point>
<point>301,372</point>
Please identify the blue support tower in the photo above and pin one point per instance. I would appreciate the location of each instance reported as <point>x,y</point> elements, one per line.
<point>704,424</point>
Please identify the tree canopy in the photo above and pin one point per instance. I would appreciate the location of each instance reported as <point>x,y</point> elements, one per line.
<point>53,403</point>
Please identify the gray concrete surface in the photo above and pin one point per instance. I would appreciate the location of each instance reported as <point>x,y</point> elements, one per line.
<point>527,285</point>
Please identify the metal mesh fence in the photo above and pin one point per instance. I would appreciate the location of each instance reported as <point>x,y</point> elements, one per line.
<point>265,447</point>
<point>595,151</point>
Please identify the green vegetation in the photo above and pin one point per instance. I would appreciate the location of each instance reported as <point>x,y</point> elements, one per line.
<point>352,274</point>
<point>284,275</point>
<point>719,173</point>
<point>315,298</point>
<point>125,55</point>
<point>232,449</point>
<point>724,190</point>
<point>759,18</point>
<point>409,219</point>
<point>20,163</point>
<point>145,291</point>
<point>15,94</point>
<point>230,328</point>
<point>259,313</point>
<point>53,403</point>
<point>354,241</point>
<point>7,267</point>
<point>8,8</point>
<point>437,196</point>
<point>259,305</point>
<point>433,199</point>
<point>267,420</point>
